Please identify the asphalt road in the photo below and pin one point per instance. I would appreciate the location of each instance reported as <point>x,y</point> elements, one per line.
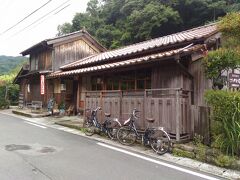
<point>34,152</point>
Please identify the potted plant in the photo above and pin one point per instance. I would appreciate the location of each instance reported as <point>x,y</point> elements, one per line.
<point>61,108</point>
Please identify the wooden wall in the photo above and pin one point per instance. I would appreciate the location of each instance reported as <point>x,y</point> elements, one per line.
<point>41,60</point>
<point>200,116</point>
<point>169,75</point>
<point>23,90</point>
<point>71,51</point>
<point>34,93</point>
<point>66,96</point>
<point>200,82</point>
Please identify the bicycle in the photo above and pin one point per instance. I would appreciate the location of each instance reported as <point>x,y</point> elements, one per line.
<point>109,126</point>
<point>156,137</point>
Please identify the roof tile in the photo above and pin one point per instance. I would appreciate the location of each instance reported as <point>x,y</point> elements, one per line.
<point>184,36</point>
<point>134,61</point>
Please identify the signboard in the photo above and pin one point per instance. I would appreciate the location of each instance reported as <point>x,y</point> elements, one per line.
<point>42,85</point>
<point>234,80</point>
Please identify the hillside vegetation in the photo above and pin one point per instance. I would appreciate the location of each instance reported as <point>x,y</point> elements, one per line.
<point>8,63</point>
<point>117,23</point>
<point>9,67</point>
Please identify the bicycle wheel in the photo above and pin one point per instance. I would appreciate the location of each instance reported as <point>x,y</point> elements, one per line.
<point>112,133</point>
<point>89,128</point>
<point>160,141</point>
<point>112,129</point>
<point>126,136</point>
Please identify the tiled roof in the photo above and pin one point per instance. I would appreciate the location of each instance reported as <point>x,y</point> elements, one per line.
<point>135,61</point>
<point>177,38</point>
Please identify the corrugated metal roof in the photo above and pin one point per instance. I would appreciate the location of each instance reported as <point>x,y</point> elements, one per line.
<point>141,60</point>
<point>181,37</point>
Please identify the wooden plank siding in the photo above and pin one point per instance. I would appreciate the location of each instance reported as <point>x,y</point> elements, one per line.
<point>200,116</point>
<point>71,51</point>
<point>41,61</point>
<point>151,104</point>
<point>170,75</point>
<point>200,82</point>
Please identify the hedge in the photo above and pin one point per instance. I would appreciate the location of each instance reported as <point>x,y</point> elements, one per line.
<point>225,123</point>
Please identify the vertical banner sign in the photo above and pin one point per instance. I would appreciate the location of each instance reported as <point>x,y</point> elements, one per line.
<point>42,79</point>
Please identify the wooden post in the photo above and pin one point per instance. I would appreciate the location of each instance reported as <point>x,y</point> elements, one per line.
<point>120,105</point>
<point>78,94</point>
<point>177,116</point>
<point>144,106</point>
<point>85,103</point>
<point>101,105</point>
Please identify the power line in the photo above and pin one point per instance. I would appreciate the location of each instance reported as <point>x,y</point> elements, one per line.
<point>43,17</point>
<point>53,14</point>
<point>25,18</point>
<point>62,9</point>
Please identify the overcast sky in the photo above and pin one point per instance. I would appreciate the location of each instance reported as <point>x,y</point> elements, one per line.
<point>42,24</point>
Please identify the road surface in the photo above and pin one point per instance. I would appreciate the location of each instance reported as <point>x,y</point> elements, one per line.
<point>34,152</point>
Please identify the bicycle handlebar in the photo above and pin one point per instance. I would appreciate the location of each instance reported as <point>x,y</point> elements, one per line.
<point>98,109</point>
<point>94,112</point>
<point>134,113</point>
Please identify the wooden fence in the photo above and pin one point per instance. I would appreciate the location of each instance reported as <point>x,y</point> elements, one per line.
<point>170,108</point>
<point>200,116</point>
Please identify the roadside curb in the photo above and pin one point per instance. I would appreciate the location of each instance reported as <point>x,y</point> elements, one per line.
<point>184,162</point>
<point>28,114</point>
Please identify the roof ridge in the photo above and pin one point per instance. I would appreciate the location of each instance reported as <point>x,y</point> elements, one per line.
<point>179,37</point>
<point>65,35</point>
<point>185,31</point>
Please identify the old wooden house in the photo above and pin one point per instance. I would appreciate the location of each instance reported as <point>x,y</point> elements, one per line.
<point>46,57</point>
<point>163,78</point>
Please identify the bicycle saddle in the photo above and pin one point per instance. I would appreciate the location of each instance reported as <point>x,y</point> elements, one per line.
<point>107,114</point>
<point>150,120</point>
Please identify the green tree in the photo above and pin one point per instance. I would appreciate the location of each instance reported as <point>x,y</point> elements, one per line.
<point>155,19</point>
<point>227,57</point>
<point>219,62</point>
<point>64,29</point>
<point>117,23</point>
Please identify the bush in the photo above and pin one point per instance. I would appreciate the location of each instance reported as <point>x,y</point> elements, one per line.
<point>218,61</point>
<point>4,103</point>
<point>230,25</point>
<point>183,153</point>
<point>224,161</point>
<point>2,92</point>
<point>13,93</point>
<point>225,120</point>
